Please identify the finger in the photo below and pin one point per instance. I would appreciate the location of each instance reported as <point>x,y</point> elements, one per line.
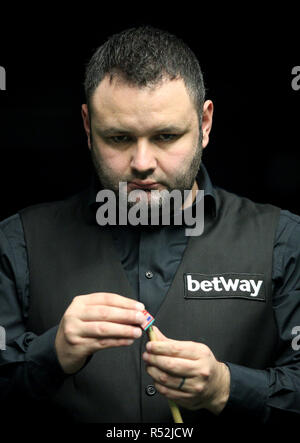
<point>110,299</point>
<point>168,380</point>
<point>111,314</point>
<point>111,343</point>
<point>175,348</point>
<point>173,394</point>
<point>159,335</point>
<point>109,330</point>
<point>172,365</point>
<point>93,345</point>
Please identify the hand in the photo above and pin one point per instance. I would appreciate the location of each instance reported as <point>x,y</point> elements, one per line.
<point>93,322</point>
<point>207,380</point>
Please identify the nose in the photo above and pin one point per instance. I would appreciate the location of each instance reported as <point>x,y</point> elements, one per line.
<point>143,157</point>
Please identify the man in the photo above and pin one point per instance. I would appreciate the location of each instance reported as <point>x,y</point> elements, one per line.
<point>226,302</point>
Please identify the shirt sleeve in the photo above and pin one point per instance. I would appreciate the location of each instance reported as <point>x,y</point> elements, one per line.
<point>276,390</point>
<point>28,363</point>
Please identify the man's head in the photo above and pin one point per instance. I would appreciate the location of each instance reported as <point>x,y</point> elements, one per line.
<point>145,117</point>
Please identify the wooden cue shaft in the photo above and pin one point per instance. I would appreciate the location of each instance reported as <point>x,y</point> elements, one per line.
<point>174,408</point>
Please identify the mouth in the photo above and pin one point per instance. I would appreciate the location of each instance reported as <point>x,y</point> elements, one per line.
<point>145,185</point>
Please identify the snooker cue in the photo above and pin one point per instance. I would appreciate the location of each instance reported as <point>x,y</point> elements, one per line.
<point>174,408</point>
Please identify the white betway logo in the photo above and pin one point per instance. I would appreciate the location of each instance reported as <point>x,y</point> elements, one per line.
<point>221,284</point>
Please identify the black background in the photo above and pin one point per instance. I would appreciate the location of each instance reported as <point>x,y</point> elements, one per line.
<point>246,56</point>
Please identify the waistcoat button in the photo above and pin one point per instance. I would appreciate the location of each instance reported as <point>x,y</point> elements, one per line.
<point>150,390</point>
<point>149,274</point>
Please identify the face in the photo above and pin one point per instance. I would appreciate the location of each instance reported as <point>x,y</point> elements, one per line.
<point>147,137</point>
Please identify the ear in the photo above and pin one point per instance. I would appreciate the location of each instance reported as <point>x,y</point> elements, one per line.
<point>86,122</point>
<point>207,116</point>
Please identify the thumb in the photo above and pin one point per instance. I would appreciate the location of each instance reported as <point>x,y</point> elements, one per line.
<point>158,334</point>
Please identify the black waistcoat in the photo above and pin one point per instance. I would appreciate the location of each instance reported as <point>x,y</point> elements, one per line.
<point>69,254</point>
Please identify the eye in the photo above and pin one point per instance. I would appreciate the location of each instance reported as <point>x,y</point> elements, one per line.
<point>119,139</point>
<point>167,137</point>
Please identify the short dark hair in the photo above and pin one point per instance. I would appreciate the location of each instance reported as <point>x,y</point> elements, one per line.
<point>144,56</point>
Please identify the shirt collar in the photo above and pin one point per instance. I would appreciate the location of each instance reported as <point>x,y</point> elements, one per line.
<point>203,181</point>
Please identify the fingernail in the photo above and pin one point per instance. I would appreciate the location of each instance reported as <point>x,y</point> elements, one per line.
<point>140,306</point>
<point>137,333</point>
<point>149,346</point>
<point>140,316</point>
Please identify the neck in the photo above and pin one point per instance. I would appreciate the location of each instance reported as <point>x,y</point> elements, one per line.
<point>192,196</point>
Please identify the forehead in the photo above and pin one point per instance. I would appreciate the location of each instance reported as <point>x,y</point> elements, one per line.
<point>117,102</point>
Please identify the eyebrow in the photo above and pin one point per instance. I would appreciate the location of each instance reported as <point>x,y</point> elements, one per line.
<point>106,132</point>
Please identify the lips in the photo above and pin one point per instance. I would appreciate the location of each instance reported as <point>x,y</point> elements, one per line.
<point>143,185</point>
